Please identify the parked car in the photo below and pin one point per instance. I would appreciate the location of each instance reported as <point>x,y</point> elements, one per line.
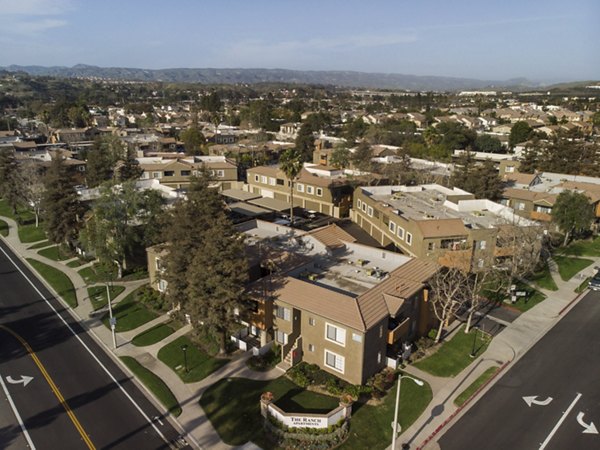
<point>594,283</point>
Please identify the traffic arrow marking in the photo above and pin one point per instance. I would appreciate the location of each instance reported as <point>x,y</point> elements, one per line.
<point>588,428</point>
<point>25,380</point>
<point>532,400</point>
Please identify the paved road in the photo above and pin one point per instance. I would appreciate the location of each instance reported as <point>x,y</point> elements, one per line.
<point>78,397</point>
<point>562,365</point>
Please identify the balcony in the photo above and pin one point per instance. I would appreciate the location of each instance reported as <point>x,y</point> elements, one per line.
<point>397,330</point>
<point>541,216</point>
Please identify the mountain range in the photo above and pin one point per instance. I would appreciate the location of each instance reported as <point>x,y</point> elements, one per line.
<point>251,76</point>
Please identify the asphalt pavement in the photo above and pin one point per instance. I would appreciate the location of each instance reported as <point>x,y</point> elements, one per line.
<point>549,399</point>
<point>78,397</point>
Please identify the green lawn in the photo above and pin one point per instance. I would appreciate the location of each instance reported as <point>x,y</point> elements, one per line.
<point>130,313</point>
<point>587,247</point>
<point>154,385</point>
<point>454,355</point>
<point>30,233</point>
<point>24,213</point>
<point>75,263</point>
<point>583,286</point>
<point>56,253</point>
<point>58,280</point>
<point>89,275</point>
<point>200,364</point>
<point>42,244</point>
<point>97,295</point>
<point>3,228</point>
<point>232,406</point>
<point>569,267</point>
<point>544,279</point>
<point>370,426</point>
<point>526,303</point>
<point>480,381</point>
<point>153,335</point>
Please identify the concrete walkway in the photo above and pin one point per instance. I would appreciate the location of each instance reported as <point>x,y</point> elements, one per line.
<point>192,422</point>
<point>504,350</point>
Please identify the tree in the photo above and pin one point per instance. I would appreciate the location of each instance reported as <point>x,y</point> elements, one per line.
<point>530,159</point>
<point>193,141</point>
<point>102,158</point>
<point>290,163</point>
<point>118,222</point>
<point>32,187</point>
<point>488,144</point>
<point>573,213</point>
<point>129,168</point>
<point>447,295</point>
<point>10,182</point>
<point>305,142</point>
<point>361,158</point>
<point>205,268</point>
<point>340,156</point>
<point>520,132</point>
<point>482,180</point>
<point>61,207</point>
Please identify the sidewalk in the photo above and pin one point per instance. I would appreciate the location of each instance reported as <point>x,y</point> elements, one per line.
<point>504,350</point>
<point>196,427</point>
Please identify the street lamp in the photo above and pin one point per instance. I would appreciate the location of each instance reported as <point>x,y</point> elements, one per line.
<point>395,423</point>
<point>184,348</point>
<point>112,320</point>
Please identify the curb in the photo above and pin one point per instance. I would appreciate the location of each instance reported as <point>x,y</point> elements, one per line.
<point>568,305</point>
<point>464,405</point>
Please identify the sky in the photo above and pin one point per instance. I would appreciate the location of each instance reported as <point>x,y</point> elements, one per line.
<point>542,40</point>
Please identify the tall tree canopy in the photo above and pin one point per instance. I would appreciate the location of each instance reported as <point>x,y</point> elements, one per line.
<point>573,213</point>
<point>290,163</point>
<point>520,132</point>
<point>206,270</point>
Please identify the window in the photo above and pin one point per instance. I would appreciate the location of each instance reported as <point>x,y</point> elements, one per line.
<point>378,357</point>
<point>309,190</point>
<point>311,348</point>
<point>186,173</point>
<point>480,263</point>
<point>520,206</point>
<point>300,187</point>
<point>358,204</point>
<point>370,211</point>
<point>283,313</point>
<point>220,173</point>
<point>380,331</point>
<point>272,181</point>
<point>311,321</point>
<point>392,227</point>
<point>320,192</point>
<point>482,245</point>
<point>364,207</point>
<point>280,182</point>
<point>335,334</point>
<point>256,178</point>
<point>409,238</point>
<point>400,232</point>
<point>431,246</point>
<point>169,173</point>
<point>162,285</point>
<point>509,169</point>
<point>159,265</point>
<point>356,337</point>
<point>263,179</point>
<point>156,175</point>
<point>334,361</point>
<point>281,337</point>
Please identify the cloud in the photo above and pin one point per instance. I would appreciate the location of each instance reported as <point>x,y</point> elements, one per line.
<point>34,26</point>
<point>34,7</point>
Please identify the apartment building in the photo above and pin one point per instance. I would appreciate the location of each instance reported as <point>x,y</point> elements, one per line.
<point>433,222</point>
<point>319,188</point>
<point>175,171</point>
<point>327,300</point>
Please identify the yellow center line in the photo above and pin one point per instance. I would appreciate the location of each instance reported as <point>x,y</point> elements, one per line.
<point>53,386</point>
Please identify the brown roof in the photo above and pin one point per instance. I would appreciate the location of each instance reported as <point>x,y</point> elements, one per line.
<point>524,194</point>
<point>590,189</point>
<point>520,178</point>
<point>271,171</point>
<point>318,300</point>
<point>332,236</point>
<point>435,228</point>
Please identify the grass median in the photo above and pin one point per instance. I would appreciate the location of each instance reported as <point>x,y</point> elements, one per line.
<point>131,313</point>
<point>474,386</point>
<point>3,228</point>
<point>154,384</point>
<point>153,335</point>
<point>97,295</point>
<point>568,267</point>
<point>58,280</point>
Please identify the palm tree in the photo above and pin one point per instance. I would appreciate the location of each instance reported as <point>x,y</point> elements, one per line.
<point>291,164</point>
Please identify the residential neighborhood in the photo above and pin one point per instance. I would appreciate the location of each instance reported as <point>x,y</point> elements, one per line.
<point>284,258</point>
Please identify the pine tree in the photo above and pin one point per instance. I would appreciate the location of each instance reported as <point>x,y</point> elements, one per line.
<point>10,181</point>
<point>206,269</point>
<point>60,203</point>
<point>129,168</point>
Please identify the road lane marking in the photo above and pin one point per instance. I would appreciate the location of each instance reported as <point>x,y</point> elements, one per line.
<point>560,421</point>
<point>121,388</point>
<point>24,380</point>
<point>589,428</point>
<point>53,386</point>
<point>533,400</point>
<point>17,415</point>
